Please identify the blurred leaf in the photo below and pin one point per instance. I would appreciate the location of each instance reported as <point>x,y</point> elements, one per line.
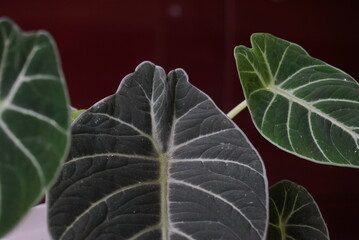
<point>34,120</point>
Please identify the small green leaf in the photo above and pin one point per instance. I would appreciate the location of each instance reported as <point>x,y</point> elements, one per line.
<point>299,103</point>
<point>158,160</point>
<point>34,120</point>
<point>294,215</point>
<point>76,113</point>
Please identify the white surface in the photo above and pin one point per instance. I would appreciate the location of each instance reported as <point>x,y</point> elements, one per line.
<point>32,227</point>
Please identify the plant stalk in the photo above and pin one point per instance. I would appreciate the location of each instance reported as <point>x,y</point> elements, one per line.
<point>237,109</point>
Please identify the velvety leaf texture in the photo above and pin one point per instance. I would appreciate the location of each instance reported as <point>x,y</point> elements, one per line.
<point>294,215</point>
<point>158,160</point>
<point>299,103</point>
<point>34,120</point>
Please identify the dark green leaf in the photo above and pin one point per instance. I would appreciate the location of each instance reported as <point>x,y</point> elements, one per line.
<point>294,215</point>
<point>300,103</point>
<point>158,160</point>
<point>34,120</point>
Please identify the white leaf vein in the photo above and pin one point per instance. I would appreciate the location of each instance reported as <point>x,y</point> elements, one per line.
<point>266,111</point>
<point>293,90</point>
<point>313,109</point>
<point>104,199</point>
<point>306,226</point>
<point>204,160</point>
<point>280,62</point>
<point>109,154</point>
<point>332,138</point>
<point>190,110</point>
<point>21,76</point>
<point>298,71</point>
<point>25,151</point>
<point>333,100</point>
<point>314,138</point>
<point>125,123</point>
<point>4,55</point>
<point>181,233</point>
<point>144,231</point>
<point>175,181</point>
<point>38,116</point>
<point>254,68</point>
<point>45,77</point>
<point>176,147</point>
<point>264,54</point>
<point>288,123</point>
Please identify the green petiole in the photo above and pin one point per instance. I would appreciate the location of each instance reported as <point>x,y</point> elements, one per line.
<point>237,109</point>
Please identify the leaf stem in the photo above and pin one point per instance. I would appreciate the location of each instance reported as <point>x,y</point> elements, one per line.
<point>237,109</point>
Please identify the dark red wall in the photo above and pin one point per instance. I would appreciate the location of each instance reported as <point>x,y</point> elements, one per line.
<point>102,41</point>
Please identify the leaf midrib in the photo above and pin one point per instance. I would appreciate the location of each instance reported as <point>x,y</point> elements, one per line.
<point>279,91</point>
<point>292,98</point>
<point>163,158</point>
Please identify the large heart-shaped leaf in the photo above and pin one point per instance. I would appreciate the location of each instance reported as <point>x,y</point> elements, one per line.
<point>294,215</point>
<point>158,160</point>
<point>34,120</point>
<point>300,103</point>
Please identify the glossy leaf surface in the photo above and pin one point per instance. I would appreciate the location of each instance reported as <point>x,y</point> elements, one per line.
<point>294,215</point>
<point>158,160</point>
<point>300,103</point>
<point>34,120</point>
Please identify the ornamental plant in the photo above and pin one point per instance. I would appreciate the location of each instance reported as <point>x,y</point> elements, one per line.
<point>158,159</point>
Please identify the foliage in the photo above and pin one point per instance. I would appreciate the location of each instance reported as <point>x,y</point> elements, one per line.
<point>294,214</point>
<point>158,159</point>
<point>34,120</point>
<point>160,152</point>
<point>299,103</point>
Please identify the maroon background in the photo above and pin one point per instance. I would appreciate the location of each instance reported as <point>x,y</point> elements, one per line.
<point>102,41</point>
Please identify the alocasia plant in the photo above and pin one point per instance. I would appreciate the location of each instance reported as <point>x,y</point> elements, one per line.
<point>159,160</point>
